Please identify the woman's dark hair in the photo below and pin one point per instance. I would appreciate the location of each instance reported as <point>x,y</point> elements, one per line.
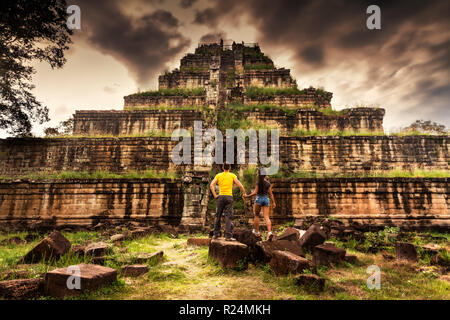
<point>261,184</point>
<point>226,166</point>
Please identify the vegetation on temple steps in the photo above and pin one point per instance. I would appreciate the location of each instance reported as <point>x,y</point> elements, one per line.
<point>148,134</point>
<point>254,92</point>
<point>258,66</point>
<point>181,92</point>
<point>98,174</point>
<point>192,275</point>
<point>288,174</point>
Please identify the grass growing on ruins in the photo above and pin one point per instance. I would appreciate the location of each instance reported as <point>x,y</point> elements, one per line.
<point>98,174</point>
<point>286,174</point>
<point>163,107</point>
<point>254,92</point>
<point>335,133</point>
<point>188,273</point>
<point>181,92</point>
<point>258,66</point>
<point>147,134</point>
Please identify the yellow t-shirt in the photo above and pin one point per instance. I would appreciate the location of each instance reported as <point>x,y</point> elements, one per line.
<point>225,180</point>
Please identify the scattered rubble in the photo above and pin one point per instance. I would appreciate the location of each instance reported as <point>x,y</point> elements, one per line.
<point>91,276</point>
<point>229,254</point>
<point>406,251</point>
<point>310,282</point>
<point>327,254</point>
<point>21,288</point>
<point>283,263</point>
<point>314,236</point>
<point>134,270</point>
<point>53,246</point>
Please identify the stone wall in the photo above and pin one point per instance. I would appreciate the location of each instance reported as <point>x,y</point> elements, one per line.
<point>406,202</point>
<point>182,79</point>
<point>356,119</point>
<point>133,122</point>
<point>87,202</point>
<point>142,101</point>
<point>268,78</point>
<point>310,97</point>
<point>320,154</point>
<point>364,153</point>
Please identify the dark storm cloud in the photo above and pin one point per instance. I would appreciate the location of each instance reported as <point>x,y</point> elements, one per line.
<point>187,3</point>
<point>143,43</point>
<point>412,46</point>
<point>213,37</point>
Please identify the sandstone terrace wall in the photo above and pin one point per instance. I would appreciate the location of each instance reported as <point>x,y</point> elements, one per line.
<point>330,154</point>
<point>365,153</point>
<point>405,202</point>
<point>183,79</point>
<point>312,96</point>
<point>87,202</point>
<point>356,120</point>
<point>133,122</point>
<point>142,101</point>
<point>280,78</point>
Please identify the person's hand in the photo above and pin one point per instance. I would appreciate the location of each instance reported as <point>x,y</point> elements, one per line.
<point>216,196</point>
<point>244,196</point>
<point>274,205</point>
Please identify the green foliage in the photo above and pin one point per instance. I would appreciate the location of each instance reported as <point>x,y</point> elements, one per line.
<point>173,92</point>
<point>98,174</point>
<point>258,66</point>
<point>254,92</point>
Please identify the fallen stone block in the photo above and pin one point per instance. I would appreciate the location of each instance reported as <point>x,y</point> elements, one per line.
<point>198,242</point>
<point>117,238</point>
<point>327,254</point>
<point>13,240</point>
<point>431,248</point>
<point>290,234</point>
<point>283,263</point>
<point>352,259</point>
<point>314,236</point>
<point>53,246</point>
<point>405,251</point>
<point>140,233</point>
<point>97,249</point>
<point>229,254</point>
<point>265,249</point>
<point>149,257</point>
<point>310,282</point>
<point>21,289</point>
<point>134,270</point>
<point>60,283</point>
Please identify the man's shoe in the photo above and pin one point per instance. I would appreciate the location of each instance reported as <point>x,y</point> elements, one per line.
<point>230,239</point>
<point>257,234</point>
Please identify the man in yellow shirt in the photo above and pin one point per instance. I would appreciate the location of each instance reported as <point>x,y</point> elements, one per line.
<point>224,202</point>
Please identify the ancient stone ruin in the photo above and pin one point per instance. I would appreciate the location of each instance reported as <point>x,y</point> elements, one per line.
<point>214,84</point>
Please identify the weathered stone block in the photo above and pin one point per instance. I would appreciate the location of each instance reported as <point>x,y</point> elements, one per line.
<point>310,282</point>
<point>406,251</point>
<point>284,262</point>
<point>91,277</point>
<point>229,254</point>
<point>134,270</point>
<point>314,236</point>
<point>327,254</point>
<point>265,249</point>
<point>21,288</point>
<point>53,246</point>
<point>97,249</point>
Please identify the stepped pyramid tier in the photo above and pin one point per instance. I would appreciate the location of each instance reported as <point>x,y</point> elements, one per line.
<point>118,164</point>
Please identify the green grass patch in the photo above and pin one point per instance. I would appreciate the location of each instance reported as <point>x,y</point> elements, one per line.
<point>254,92</point>
<point>258,66</point>
<point>183,92</point>
<point>98,174</point>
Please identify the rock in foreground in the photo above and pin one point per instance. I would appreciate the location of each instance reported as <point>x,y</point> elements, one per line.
<point>310,282</point>
<point>21,289</point>
<point>134,270</point>
<point>314,236</point>
<point>327,254</point>
<point>229,254</point>
<point>265,249</point>
<point>91,276</point>
<point>198,242</point>
<point>283,263</point>
<point>54,246</point>
<point>405,251</point>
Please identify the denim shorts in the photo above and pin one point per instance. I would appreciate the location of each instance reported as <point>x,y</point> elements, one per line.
<point>263,201</point>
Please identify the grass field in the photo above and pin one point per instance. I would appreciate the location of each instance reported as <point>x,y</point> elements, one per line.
<point>187,273</point>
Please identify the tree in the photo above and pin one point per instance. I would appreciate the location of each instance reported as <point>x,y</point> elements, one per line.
<point>64,128</point>
<point>30,30</point>
<point>428,127</point>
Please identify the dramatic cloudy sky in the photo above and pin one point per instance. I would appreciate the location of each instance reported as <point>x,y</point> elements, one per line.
<point>123,46</point>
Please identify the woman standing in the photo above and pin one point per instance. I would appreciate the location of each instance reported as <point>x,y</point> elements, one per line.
<point>263,190</point>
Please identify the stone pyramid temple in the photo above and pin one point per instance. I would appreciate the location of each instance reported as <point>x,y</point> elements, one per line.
<point>117,165</point>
